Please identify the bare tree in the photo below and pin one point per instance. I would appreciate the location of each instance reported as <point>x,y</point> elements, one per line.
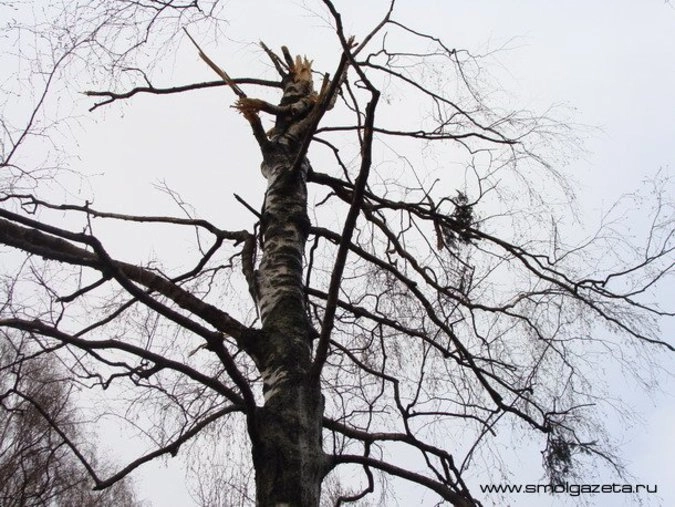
<point>429,312</point>
<point>36,465</point>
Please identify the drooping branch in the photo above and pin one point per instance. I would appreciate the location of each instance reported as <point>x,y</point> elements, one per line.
<point>56,427</point>
<point>419,331</point>
<point>172,448</point>
<point>540,267</point>
<point>372,438</point>
<point>34,241</point>
<point>161,362</point>
<point>443,490</point>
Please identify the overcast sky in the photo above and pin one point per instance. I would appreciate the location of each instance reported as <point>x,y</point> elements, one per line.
<point>605,64</point>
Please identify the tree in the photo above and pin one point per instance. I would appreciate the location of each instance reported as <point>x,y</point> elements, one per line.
<point>36,465</point>
<point>429,307</point>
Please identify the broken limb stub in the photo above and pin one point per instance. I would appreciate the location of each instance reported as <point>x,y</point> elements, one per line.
<point>297,101</point>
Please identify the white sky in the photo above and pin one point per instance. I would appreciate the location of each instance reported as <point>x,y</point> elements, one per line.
<point>611,63</point>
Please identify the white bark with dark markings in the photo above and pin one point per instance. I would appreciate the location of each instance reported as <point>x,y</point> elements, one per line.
<point>286,431</point>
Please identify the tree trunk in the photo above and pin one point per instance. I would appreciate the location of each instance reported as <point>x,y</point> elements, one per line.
<point>286,431</point>
<point>287,454</point>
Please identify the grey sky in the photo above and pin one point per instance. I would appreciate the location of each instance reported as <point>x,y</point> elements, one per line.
<point>604,64</point>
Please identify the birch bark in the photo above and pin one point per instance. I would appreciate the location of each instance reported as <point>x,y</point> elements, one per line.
<point>286,431</point>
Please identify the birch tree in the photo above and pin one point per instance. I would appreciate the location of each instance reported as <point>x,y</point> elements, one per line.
<point>36,465</point>
<point>391,310</point>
